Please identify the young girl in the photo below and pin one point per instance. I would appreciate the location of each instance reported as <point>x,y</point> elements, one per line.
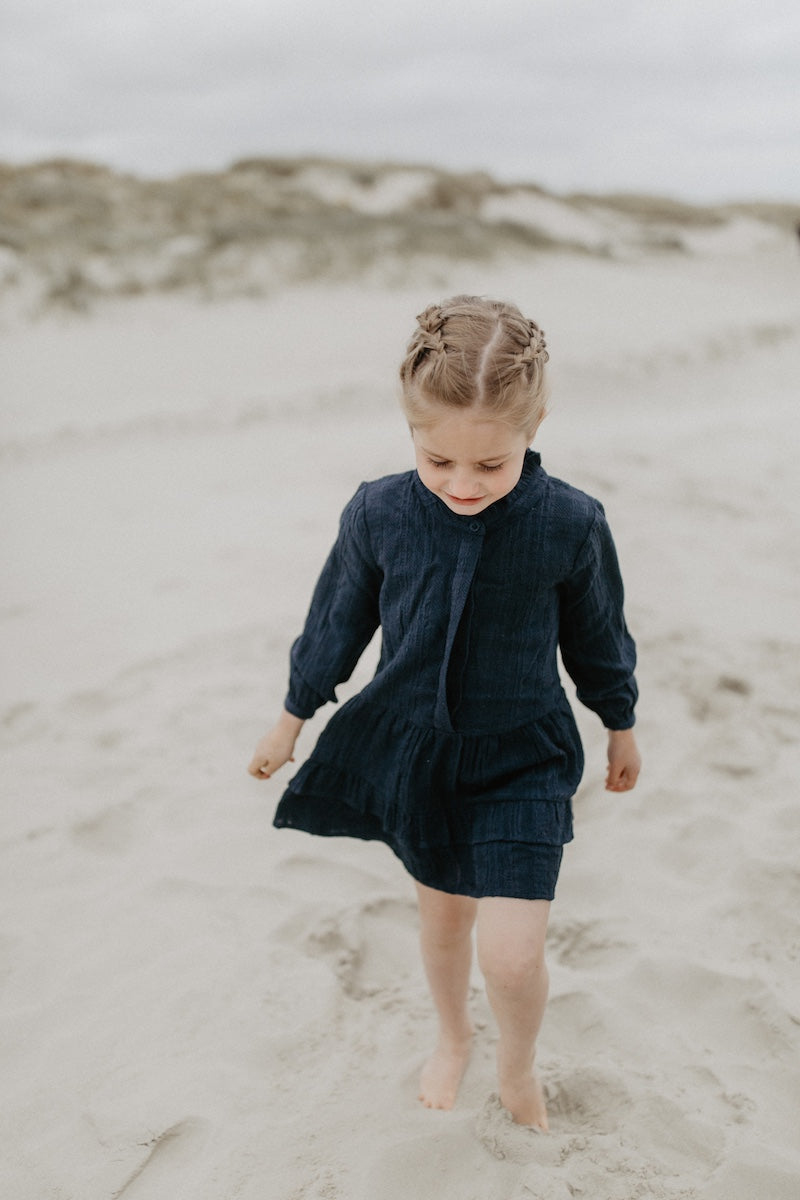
<point>462,753</point>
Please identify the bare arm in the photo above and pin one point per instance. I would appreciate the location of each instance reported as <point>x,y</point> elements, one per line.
<point>276,747</point>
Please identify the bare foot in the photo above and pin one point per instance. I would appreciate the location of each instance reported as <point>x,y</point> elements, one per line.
<point>524,1099</point>
<point>443,1072</point>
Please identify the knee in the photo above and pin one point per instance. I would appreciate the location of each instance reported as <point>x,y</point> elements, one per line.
<point>446,919</point>
<point>512,968</point>
<point>446,930</point>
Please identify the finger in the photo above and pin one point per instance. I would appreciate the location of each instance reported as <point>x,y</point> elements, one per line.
<point>616,782</point>
<point>257,767</point>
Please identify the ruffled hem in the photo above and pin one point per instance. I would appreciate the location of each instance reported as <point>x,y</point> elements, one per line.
<point>522,870</point>
<point>457,809</point>
<point>333,797</point>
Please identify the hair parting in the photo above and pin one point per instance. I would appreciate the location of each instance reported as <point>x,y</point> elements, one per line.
<point>470,352</point>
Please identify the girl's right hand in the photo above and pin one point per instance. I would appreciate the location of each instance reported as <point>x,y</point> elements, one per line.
<point>276,747</point>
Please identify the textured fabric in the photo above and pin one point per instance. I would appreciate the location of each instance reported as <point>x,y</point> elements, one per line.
<point>463,748</point>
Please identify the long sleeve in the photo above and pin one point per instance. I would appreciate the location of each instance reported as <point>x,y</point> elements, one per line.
<point>596,648</point>
<point>342,618</point>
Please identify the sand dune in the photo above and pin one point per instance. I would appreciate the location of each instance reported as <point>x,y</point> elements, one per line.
<point>196,1005</point>
<point>74,233</point>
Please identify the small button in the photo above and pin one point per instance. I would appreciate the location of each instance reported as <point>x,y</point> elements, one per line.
<point>476,526</point>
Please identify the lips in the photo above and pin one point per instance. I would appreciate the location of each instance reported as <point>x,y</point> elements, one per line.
<point>471,500</point>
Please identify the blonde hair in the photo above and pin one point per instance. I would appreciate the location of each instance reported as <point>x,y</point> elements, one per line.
<point>469,352</point>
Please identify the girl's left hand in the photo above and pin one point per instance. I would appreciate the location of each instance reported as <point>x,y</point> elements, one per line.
<point>624,761</point>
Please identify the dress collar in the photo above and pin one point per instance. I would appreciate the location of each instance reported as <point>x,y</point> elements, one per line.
<point>524,496</point>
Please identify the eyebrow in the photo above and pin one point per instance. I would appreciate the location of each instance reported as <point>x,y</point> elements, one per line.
<point>444,457</point>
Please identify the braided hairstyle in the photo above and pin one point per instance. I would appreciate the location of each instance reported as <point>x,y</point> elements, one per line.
<point>469,352</point>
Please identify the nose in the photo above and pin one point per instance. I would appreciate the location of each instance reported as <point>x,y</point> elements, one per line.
<point>464,484</point>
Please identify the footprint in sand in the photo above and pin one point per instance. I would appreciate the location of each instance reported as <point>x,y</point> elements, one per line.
<point>579,1018</point>
<point>605,1140</point>
<point>742,726</point>
<point>589,1100</point>
<point>730,1017</point>
<point>371,946</point>
<point>172,1161</point>
<point>448,1164</point>
<point>677,1142</point>
<point>506,1141</point>
<point>584,944</point>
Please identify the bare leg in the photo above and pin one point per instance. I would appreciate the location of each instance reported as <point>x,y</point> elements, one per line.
<point>511,936</point>
<point>446,939</point>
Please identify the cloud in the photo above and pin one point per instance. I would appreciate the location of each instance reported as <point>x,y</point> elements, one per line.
<point>681,97</point>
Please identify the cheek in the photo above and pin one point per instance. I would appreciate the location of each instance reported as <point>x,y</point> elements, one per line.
<point>509,481</point>
<point>430,476</point>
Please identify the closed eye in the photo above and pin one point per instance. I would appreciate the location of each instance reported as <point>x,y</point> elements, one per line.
<point>442,463</point>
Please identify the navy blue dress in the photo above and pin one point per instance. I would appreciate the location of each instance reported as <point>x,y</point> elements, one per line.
<point>462,752</point>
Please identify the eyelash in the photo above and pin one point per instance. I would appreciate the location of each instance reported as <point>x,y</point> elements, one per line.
<point>436,463</point>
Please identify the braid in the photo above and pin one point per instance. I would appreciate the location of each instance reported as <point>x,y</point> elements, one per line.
<point>538,344</point>
<point>535,353</point>
<point>426,341</point>
<point>431,320</point>
<point>470,352</point>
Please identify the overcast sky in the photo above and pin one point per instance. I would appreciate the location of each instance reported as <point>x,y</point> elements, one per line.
<point>695,98</point>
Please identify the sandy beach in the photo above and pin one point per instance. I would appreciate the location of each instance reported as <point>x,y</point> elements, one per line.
<point>196,1005</point>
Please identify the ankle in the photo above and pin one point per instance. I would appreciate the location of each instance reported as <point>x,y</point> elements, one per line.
<point>512,1066</point>
<point>456,1036</point>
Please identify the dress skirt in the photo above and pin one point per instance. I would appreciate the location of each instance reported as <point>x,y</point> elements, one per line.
<point>470,814</point>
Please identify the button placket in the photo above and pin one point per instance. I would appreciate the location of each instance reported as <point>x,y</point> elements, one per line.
<point>468,556</point>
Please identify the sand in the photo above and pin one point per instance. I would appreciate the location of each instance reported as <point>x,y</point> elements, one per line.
<point>195,1005</point>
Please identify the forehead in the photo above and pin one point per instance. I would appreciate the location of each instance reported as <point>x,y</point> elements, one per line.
<point>459,435</point>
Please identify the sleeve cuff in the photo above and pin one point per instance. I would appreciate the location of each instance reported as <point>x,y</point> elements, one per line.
<point>619,726</point>
<point>302,701</point>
